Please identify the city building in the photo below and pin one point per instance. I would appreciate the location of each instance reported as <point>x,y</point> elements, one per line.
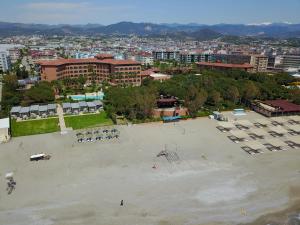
<point>259,63</point>
<point>224,66</point>
<point>166,55</point>
<point>230,58</point>
<point>99,69</point>
<point>14,54</point>
<point>5,63</point>
<point>290,61</point>
<point>145,58</point>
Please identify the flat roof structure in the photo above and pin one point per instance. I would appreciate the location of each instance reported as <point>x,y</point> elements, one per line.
<point>51,106</point>
<point>245,66</point>
<point>15,109</point>
<point>283,105</point>
<point>278,107</point>
<point>24,110</point>
<point>74,105</point>
<point>82,104</point>
<point>66,105</point>
<point>34,108</point>
<point>91,104</point>
<point>43,108</point>
<point>98,102</point>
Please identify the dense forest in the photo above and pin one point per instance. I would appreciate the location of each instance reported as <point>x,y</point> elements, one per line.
<point>212,90</point>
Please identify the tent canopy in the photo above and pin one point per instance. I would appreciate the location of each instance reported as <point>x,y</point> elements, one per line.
<point>239,133</point>
<point>279,130</point>
<point>245,123</point>
<point>226,124</point>
<point>276,142</point>
<point>255,145</point>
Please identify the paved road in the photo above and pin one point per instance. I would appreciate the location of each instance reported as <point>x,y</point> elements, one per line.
<point>62,125</point>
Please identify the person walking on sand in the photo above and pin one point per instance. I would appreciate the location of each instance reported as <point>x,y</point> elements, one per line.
<point>122,203</point>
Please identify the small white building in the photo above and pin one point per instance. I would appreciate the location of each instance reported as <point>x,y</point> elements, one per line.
<point>4,130</point>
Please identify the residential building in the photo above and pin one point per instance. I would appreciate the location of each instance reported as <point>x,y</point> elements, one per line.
<point>166,55</point>
<point>145,58</point>
<point>14,54</point>
<point>259,63</point>
<point>5,64</point>
<point>290,61</point>
<point>98,69</point>
<point>224,66</point>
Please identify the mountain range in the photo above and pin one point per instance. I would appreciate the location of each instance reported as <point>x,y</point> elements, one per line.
<point>192,30</point>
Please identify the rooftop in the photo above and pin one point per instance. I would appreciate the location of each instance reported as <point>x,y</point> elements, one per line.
<point>60,62</point>
<point>283,105</point>
<point>226,65</point>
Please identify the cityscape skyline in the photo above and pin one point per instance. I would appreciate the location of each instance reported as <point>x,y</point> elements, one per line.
<point>108,12</point>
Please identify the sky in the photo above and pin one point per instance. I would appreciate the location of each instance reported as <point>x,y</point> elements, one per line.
<point>156,11</point>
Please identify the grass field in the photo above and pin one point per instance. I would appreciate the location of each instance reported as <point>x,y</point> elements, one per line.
<point>85,121</point>
<point>24,128</point>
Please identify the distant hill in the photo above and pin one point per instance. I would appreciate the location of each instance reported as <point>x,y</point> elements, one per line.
<point>193,30</point>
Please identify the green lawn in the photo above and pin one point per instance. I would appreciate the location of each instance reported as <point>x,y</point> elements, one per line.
<point>89,120</point>
<point>24,128</point>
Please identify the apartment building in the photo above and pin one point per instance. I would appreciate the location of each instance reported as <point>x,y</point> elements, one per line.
<point>105,69</point>
<point>14,54</point>
<point>259,63</point>
<point>5,63</point>
<point>290,61</point>
<point>166,55</point>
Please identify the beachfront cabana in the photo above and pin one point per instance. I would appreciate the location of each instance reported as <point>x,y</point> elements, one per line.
<point>257,133</point>
<point>75,108</point>
<point>34,110</point>
<point>99,104</point>
<point>91,106</point>
<point>43,110</point>
<point>67,107</point>
<point>83,106</point>
<point>238,136</point>
<point>293,119</point>
<point>277,131</point>
<point>24,112</point>
<point>278,121</point>
<point>253,147</point>
<point>51,109</point>
<point>275,144</point>
<point>225,126</point>
<point>243,124</point>
<point>15,111</point>
<point>262,122</point>
<point>293,141</point>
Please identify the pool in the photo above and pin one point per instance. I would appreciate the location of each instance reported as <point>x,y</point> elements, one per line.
<point>98,96</point>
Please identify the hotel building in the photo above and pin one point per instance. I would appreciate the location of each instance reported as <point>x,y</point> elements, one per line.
<point>102,68</point>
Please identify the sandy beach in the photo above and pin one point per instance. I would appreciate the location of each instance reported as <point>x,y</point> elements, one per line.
<point>213,182</point>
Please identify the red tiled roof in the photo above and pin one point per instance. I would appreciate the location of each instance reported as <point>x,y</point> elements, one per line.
<point>283,105</point>
<point>59,62</point>
<point>226,65</point>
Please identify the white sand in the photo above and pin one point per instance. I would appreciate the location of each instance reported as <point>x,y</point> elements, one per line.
<point>84,183</point>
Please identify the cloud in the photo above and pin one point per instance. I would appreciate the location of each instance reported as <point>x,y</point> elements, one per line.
<point>73,12</point>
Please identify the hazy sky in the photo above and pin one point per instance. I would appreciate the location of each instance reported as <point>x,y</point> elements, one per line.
<point>157,11</point>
